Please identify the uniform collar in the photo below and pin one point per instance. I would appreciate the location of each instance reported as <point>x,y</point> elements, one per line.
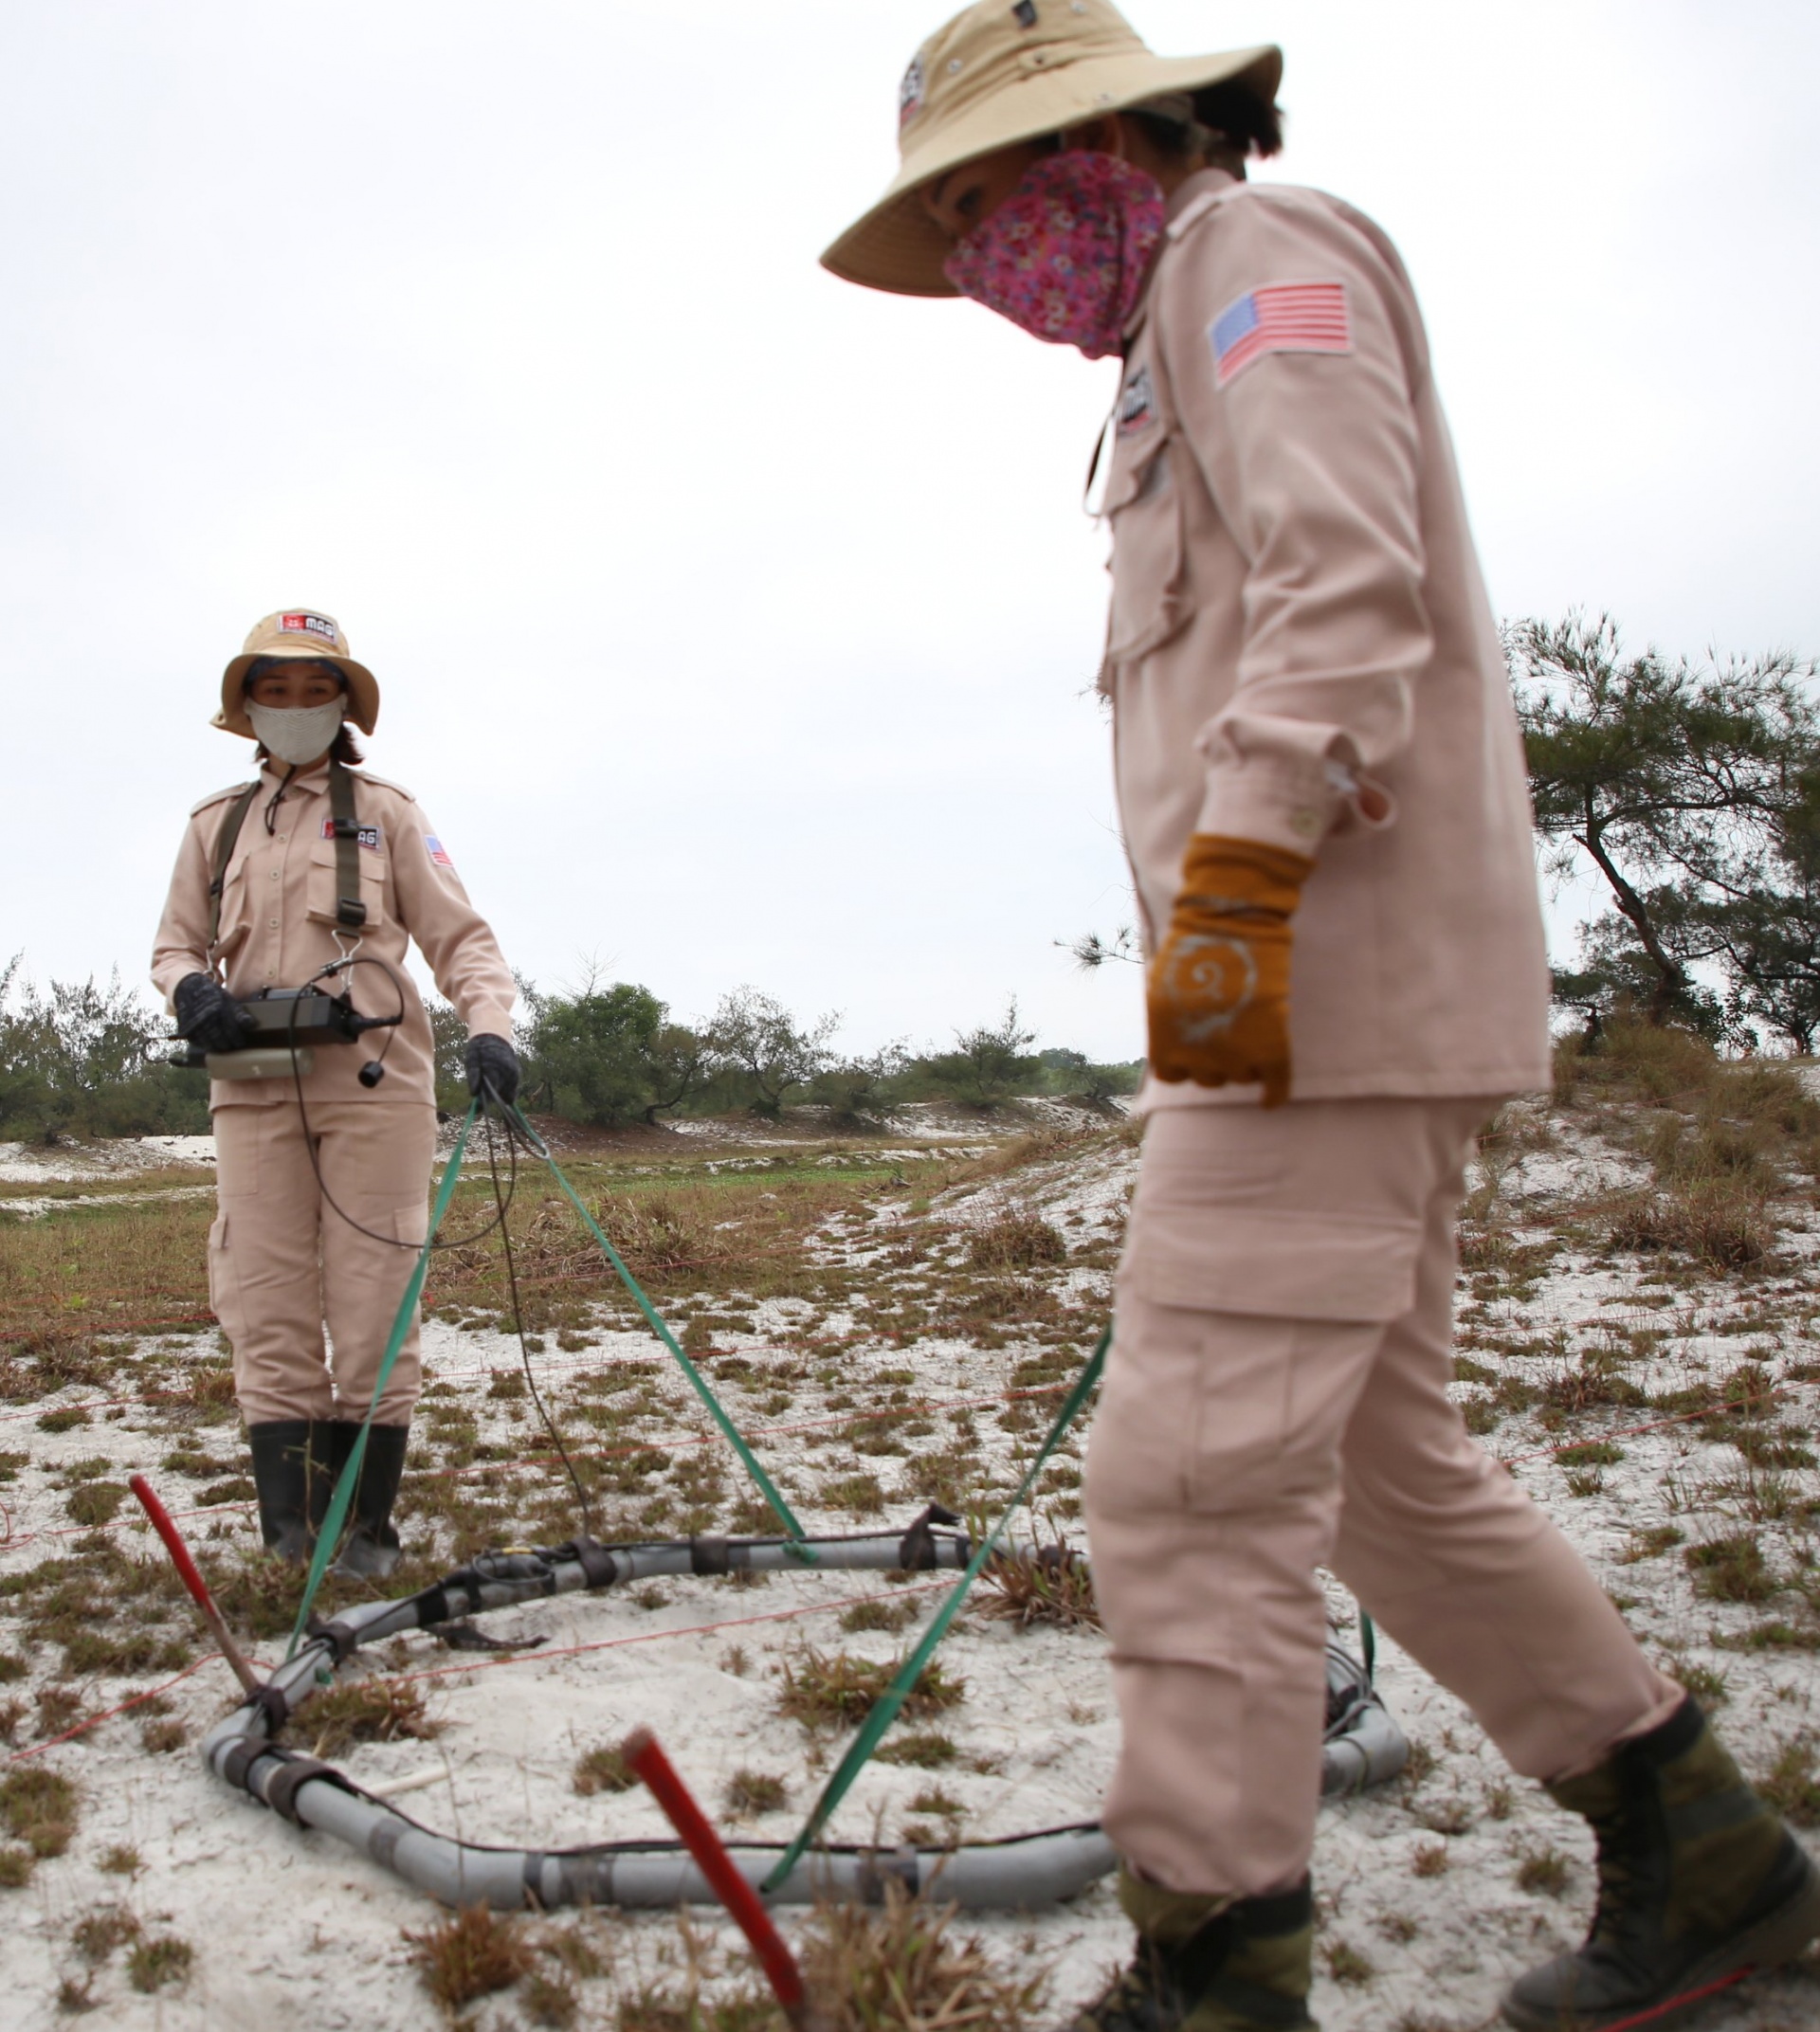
<point>1204,182</point>
<point>315,778</point>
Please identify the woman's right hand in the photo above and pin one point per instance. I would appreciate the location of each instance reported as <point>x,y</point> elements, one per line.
<point>208,1015</point>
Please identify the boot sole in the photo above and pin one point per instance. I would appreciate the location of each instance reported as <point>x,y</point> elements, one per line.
<point>1777,1937</point>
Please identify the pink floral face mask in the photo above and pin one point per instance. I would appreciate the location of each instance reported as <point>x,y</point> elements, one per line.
<point>1065,255</point>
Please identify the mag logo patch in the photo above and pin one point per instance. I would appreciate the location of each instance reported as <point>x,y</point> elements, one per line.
<point>367,835</point>
<point>910,91</point>
<point>318,625</point>
<point>1136,404</point>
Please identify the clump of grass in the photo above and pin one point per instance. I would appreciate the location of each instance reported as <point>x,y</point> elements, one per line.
<point>96,1935</point>
<point>924,1750</point>
<point>160,1737</point>
<point>368,1711</point>
<point>1719,1222</point>
<point>1431,1859</point>
<point>15,1868</point>
<point>604,1769</point>
<point>1026,1585</point>
<point>878,1614</point>
<point>154,1964</point>
<point>122,1859</point>
<point>1650,1542</point>
<point>64,1421</point>
<point>750,1792</point>
<point>898,1968</point>
<point>1545,1872</point>
<point>861,1494</point>
<point>37,1807</point>
<point>835,1690</point>
<point>469,1955</point>
<point>550,2000</point>
<point>1792,1785</point>
<point>1016,1241</point>
<point>1731,1570</point>
<point>1347,1965</point>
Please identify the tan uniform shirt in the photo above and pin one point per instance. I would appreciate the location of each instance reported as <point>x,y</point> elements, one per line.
<point>277,928</point>
<point>1300,651</point>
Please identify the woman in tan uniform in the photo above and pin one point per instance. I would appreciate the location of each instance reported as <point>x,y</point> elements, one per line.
<point>322,1172</point>
<point>1321,786</point>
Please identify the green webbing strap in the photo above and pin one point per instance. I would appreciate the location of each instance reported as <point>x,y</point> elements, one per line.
<point>350,911</point>
<point>698,1382</point>
<point>885,1712</point>
<point>343,1496</point>
<point>233,820</point>
<point>1368,1643</point>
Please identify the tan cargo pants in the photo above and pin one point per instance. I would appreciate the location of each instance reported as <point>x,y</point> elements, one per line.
<point>1275,1400</point>
<point>280,1261</point>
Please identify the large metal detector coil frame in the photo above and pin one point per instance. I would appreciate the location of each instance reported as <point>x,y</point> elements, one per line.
<point>1363,1746</point>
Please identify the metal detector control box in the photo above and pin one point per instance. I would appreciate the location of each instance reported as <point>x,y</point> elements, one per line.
<point>284,1026</point>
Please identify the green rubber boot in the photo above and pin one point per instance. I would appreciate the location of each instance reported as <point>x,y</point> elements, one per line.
<point>1700,1882</point>
<point>1211,1965</point>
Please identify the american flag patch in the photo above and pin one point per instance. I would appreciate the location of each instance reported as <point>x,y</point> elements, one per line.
<point>438,852</point>
<point>1284,318</point>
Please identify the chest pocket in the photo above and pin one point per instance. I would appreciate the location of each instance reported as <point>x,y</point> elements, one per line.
<point>321,891</point>
<point>1144,507</point>
<point>236,910</point>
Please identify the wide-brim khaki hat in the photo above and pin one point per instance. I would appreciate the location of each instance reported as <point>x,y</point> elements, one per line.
<point>999,74</point>
<point>297,631</point>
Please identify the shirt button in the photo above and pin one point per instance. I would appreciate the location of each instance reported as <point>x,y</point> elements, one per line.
<point>273,922</point>
<point>274,874</point>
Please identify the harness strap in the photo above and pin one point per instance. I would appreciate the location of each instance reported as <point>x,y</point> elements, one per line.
<point>225,842</point>
<point>350,911</point>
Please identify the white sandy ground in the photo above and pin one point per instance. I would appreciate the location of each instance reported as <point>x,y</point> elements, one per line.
<point>288,1922</point>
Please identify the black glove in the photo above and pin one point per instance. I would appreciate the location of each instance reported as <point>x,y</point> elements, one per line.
<point>492,1064</point>
<point>208,1015</point>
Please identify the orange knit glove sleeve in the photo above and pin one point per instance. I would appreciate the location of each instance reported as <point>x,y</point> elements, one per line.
<point>1218,990</point>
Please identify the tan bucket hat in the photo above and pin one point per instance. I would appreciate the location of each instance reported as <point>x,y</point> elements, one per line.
<point>1001,73</point>
<point>297,631</point>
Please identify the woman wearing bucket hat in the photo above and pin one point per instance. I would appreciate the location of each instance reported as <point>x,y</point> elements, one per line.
<point>322,1153</point>
<point>1321,786</point>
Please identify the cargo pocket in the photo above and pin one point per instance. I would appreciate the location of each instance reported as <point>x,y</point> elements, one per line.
<point>1247,1334</point>
<point>1272,1263</point>
<point>1150,601</point>
<point>223,1282</point>
<point>321,893</point>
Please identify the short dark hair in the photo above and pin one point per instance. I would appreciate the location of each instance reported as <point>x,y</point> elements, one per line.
<point>1229,121</point>
<point>1253,125</point>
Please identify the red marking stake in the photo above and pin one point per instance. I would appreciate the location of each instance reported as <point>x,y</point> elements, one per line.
<point>644,1755</point>
<point>191,1578</point>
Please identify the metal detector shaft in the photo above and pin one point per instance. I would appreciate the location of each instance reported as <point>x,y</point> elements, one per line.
<point>191,1575</point>
<point>645,1756</point>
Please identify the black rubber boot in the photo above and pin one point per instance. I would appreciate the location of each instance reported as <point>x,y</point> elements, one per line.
<point>290,1471</point>
<point>1209,1965</point>
<point>1698,1882</point>
<point>370,1549</point>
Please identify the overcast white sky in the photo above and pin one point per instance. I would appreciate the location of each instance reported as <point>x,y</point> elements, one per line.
<point>735,624</point>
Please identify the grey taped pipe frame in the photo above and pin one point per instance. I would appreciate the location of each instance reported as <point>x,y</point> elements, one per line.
<point>1364,1746</point>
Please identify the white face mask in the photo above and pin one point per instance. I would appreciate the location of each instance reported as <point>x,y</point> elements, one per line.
<point>297,734</point>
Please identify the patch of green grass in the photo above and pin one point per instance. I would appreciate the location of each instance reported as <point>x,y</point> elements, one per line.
<point>1731,1569</point>
<point>835,1690</point>
<point>603,1770</point>
<point>154,1964</point>
<point>37,1807</point>
<point>753,1792</point>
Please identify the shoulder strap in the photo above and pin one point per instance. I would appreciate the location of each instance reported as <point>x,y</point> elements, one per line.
<point>350,911</point>
<point>225,842</point>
